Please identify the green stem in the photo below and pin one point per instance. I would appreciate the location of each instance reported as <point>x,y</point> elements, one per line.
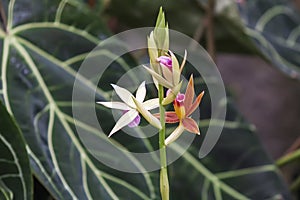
<point>288,158</point>
<point>164,182</point>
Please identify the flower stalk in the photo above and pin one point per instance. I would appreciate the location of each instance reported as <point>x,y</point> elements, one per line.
<point>164,182</point>
<point>166,74</point>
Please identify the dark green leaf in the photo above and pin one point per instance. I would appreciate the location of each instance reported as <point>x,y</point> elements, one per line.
<point>15,174</point>
<point>5,193</point>
<point>42,47</point>
<point>274,27</point>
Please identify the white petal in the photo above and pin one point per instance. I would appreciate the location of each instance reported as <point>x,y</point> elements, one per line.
<point>147,115</point>
<point>155,82</point>
<point>175,69</point>
<point>152,50</point>
<point>172,95</point>
<point>151,104</point>
<point>125,95</point>
<point>159,78</point>
<point>174,135</point>
<point>141,92</point>
<point>151,119</point>
<point>167,73</point>
<point>115,105</point>
<point>183,61</point>
<point>124,121</point>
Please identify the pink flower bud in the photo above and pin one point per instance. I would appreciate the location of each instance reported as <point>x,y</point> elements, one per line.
<point>166,61</point>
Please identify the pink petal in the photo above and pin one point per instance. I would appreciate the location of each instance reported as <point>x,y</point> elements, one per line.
<point>190,125</point>
<point>195,105</point>
<point>189,94</point>
<point>171,117</point>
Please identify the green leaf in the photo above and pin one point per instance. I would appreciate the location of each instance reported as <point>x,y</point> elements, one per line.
<point>15,175</point>
<point>42,47</point>
<point>274,27</point>
<point>5,193</point>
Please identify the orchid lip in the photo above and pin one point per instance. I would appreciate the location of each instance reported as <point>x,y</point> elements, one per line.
<point>179,106</point>
<point>165,60</point>
<point>135,122</point>
<point>180,97</point>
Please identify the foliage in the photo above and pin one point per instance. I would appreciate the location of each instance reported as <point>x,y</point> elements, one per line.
<point>15,174</point>
<point>274,27</point>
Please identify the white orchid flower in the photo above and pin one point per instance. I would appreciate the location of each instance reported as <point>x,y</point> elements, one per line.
<point>132,106</point>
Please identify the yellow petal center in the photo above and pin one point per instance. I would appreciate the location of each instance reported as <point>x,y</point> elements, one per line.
<point>179,107</point>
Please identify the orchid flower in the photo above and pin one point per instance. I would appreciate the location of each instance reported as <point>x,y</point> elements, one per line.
<point>131,107</point>
<point>170,77</point>
<point>170,68</point>
<point>184,107</point>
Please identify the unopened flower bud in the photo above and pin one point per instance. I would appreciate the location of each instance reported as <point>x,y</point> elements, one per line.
<point>165,61</point>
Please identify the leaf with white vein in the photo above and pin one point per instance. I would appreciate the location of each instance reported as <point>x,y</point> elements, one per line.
<point>40,58</point>
<point>274,26</point>
<point>15,175</point>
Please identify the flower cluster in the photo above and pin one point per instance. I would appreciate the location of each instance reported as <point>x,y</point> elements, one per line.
<point>166,73</point>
